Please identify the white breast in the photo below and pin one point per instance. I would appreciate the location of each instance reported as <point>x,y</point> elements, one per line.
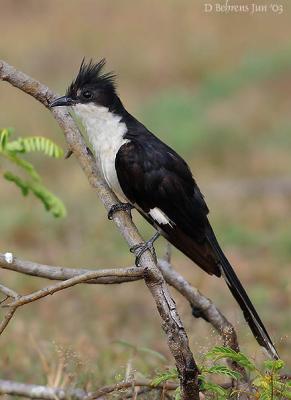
<point>105,132</point>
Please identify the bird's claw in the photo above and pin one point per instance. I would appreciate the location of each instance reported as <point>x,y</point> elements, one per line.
<point>119,207</point>
<point>140,248</point>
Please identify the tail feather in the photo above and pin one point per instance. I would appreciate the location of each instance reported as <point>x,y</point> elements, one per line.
<point>251,316</point>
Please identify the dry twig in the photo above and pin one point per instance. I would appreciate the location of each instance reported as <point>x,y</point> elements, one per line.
<point>123,272</point>
<point>53,393</point>
<point>172,277</point>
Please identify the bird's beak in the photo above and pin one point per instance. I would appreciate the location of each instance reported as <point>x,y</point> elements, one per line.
<point>62,101</point>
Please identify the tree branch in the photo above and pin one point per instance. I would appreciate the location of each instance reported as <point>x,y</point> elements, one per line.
<point>60,273</point>
<point>210,312</point>
<point>172,277</point>
<point>40,392</point>
<point>125,385</point>
<point>51,393</point>
<point>9,293</point>
<point>171,323</point>
<point>49,290</point>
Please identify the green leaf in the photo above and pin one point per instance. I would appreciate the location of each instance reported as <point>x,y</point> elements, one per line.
<point>172,374</point>
<point>49,200</point>
<point>36,143</point>
<point>219,352</point>
<point>11,151</point>
<point>4,134</point>
<point>27,166</point>
<point>274,365</point>
<point>265,395</point>
<point>222,370</point>
<point>221,393</point>
<point>177,394</point>
<point>18,181</point>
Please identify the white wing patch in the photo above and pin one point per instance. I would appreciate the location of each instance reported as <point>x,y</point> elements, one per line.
<point>160,217</point>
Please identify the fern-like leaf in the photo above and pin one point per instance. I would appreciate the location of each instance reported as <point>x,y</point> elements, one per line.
<point>4,135</point>
<point>165,376</point>
<point>27,166</point>
<point>12,150</point>
<point>36,143</point>
<point>49,200</point>
<point>219,352</point>
<point>274,365</point>
<point>210,387</point>
<point>18,181</point>
<point>222,370</point>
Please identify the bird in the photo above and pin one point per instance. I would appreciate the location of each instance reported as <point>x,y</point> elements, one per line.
<point>148,175</point>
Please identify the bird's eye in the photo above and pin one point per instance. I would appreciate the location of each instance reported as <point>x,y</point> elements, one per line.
<point>87,94</point>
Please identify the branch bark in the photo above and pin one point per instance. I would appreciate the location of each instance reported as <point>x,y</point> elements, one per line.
<point>84,277</point>
<point>210,312</point>
<point>40,392</point>
<point>60,273</point>
<point>52,393</point>
<point>171,323</point>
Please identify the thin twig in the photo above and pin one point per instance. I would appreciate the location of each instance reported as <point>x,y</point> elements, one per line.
<point>49,290</point>
<point>8,292</point>
<point>59,272</point>
<point>196,299</point>
<point>128,384</point>
<point>40,392</point>
<point>172,277</point>
<point>53,393</point>
<point>8,316</point>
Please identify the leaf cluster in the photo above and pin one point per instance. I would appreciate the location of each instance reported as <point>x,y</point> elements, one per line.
<point>13,150</point>
<point>265,382</point>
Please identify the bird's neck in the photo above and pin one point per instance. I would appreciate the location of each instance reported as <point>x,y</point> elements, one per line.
<point>104,128</point>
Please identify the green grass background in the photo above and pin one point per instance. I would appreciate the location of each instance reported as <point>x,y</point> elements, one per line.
<point>216,88</point>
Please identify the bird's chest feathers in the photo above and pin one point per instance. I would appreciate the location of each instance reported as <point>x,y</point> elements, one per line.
<point>106,135</point>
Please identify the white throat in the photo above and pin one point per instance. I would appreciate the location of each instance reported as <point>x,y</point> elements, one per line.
<point>106,135</point>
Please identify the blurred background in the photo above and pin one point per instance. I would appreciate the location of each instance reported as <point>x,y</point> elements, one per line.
<point>216,87</point>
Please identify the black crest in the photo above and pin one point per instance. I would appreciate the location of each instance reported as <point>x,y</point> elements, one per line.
<point>90,75</point>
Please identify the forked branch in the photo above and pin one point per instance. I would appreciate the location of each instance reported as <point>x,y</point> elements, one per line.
<point>105,276</point>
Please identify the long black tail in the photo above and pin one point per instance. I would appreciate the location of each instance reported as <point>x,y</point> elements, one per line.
<point>239,293</point>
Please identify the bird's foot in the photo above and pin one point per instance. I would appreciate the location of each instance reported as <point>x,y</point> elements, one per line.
<point>140,248</point>
<point>119,207</point>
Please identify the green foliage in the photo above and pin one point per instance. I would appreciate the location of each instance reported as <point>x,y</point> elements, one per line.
<point>221,370</point>
<point>213,389</point>
<point>269,384</point>
<point>171,374</point>
<point>219,352</point>
<point>12,150</point>
<point>265,382</point>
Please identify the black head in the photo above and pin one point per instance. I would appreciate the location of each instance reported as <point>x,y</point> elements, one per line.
<point>90,86</point>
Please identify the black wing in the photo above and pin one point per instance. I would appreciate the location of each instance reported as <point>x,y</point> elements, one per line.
<point>152,175</point>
